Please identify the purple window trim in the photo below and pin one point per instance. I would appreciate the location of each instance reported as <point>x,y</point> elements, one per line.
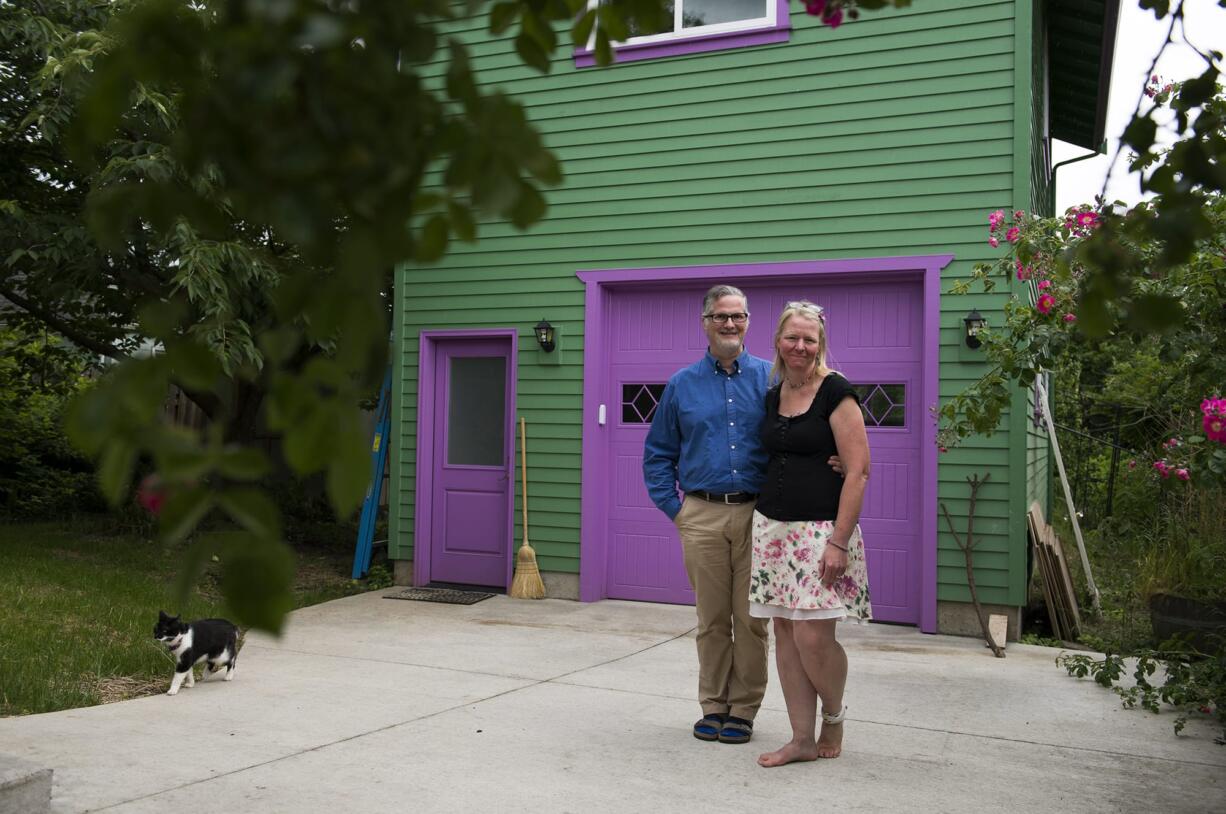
<point>428,348</point>
<point>724,40</point>
<point>599,282</point>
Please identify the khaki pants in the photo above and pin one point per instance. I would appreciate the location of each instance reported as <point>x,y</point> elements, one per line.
<point>732,645</point>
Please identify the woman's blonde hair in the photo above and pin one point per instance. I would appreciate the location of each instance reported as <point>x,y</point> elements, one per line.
<point>805,310</point>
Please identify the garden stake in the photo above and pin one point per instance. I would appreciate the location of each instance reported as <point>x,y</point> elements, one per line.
<point>527,583</point>
<point>968,549</point>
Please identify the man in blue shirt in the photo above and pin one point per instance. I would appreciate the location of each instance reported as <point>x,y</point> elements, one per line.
<point>704,439</point>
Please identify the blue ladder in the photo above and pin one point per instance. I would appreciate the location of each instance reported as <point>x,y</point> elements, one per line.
<point>374,490</point>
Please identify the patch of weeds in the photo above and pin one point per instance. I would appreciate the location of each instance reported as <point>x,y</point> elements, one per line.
<point>1041,641</point>
<point>379,576</point>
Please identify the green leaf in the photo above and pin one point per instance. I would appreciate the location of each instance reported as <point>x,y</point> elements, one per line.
<point>582,31</point>
<point>531,52</point>
<point>432,242</point>
<point>529,207</point>
<point>115,469</point>
<point>1140,133</point>
<point>425,201</point>
<point>183,511</point>
<point>257,577</point>
<point>545,167</point>
<point>192,562</point>
<point>181,458</point>
<point>1155,312</point>
<point>86,418</point>
<point>349,470</point>
<point>308,443</point>
<point>279,344</point>
<point>253,510</point>
<point>243,464</point>
<point>604,50</point>
<point>194,365</point>
<point>535,26</point>
<point>501,17</point>
<point>462,223</point>
<point>461,85</point>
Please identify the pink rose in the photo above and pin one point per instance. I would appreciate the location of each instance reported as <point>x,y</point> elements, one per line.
<point>993,242</point>
<point>1070,317</point>
<point>1182,474</point>
<point>151,494</point>
<point>1013,235</point>
<point>1045,304</point>
<point>1044,285</point>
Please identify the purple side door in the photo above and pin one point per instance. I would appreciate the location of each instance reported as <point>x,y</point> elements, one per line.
<point>875,340</point>
<point>470,492</point>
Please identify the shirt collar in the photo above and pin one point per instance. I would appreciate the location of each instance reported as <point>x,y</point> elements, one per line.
<point>736,363</point>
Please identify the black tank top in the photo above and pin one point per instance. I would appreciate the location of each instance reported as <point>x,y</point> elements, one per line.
<point>799,484</point>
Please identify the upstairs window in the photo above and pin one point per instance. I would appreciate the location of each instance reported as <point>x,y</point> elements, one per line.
<point>703,25</point>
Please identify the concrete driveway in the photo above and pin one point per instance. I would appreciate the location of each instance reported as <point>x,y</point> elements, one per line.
<point>369,704</point>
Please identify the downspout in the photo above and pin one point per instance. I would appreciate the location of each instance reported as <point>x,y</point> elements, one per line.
<point>1102,150</point>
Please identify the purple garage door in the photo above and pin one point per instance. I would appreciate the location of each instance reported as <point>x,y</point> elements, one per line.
<point>875,331</point>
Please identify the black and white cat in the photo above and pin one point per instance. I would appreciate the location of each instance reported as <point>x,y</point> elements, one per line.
<point>211,640</point>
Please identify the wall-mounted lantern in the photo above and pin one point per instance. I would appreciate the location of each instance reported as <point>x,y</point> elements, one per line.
<point>974,324</point>
<point>544,335</point>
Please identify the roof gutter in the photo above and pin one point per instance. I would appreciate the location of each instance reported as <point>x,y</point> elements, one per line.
<point>1102,150</point>
<point>1111,23</point>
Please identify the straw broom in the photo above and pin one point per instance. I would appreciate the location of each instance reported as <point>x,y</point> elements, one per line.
<point>527,583</point>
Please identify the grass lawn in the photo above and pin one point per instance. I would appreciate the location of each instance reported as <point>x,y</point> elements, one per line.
<point>78,601</point>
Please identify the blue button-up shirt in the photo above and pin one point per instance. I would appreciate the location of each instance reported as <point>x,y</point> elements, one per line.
<point>704,434</point>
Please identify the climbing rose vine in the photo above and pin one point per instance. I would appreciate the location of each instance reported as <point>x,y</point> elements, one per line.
<point>1040,263</point>
<point>835,12</point>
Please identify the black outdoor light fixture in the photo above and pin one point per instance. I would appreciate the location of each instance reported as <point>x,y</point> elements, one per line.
<point>974,324</point>
<point>544,335</point>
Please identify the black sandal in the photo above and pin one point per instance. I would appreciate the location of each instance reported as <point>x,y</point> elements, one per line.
<point>736,730</point>
<point>708,728</point>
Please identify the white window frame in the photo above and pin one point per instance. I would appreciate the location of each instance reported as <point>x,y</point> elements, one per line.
<point>773,27</point>
<point>678,33</point>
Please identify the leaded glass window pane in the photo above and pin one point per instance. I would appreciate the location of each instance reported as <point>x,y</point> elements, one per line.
<point>639,402</point>
<point>883,405</point>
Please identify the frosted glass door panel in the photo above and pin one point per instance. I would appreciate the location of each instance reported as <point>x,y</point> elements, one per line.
<point>476,398</point>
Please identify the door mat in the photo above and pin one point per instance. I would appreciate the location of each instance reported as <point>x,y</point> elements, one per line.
<point>448,596</point>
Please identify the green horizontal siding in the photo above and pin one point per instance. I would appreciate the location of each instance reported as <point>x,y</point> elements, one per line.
<point>895,135</point>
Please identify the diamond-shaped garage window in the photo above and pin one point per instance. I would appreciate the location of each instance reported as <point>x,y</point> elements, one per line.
<point>639,401</point>
<point>883,405</point>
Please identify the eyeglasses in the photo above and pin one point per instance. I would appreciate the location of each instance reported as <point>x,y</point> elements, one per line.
<point>723,319</point>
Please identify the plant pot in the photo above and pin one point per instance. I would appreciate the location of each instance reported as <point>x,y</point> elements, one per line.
<point>1200,623</point>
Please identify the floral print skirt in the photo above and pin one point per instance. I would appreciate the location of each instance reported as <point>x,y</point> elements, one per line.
<point>784,580</point>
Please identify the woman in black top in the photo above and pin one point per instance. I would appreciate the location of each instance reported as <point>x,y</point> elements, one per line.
<point>808,555</point>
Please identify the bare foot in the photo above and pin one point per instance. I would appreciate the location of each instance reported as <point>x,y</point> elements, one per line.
<point>830,742</point>
<point>791,752</point>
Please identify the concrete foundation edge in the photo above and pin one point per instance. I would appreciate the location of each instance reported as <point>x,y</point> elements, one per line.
<point>558,585</point>
<point>958,619</point>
